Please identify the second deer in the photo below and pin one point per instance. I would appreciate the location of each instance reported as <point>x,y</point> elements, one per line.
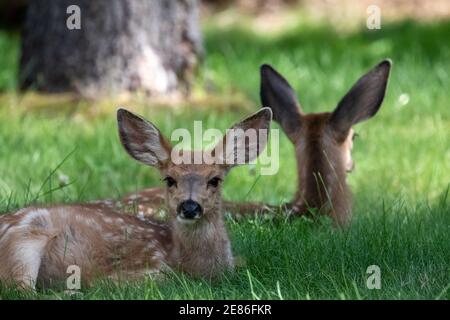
<point>323,141</point>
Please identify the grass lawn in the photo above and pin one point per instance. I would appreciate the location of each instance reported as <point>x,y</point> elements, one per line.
<point>400,187</point>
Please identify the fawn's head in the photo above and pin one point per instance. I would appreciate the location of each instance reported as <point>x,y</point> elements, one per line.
<point>193,189</point>
<point>323,141</point>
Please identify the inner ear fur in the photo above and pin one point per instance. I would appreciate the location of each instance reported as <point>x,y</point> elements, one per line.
<point>260,122</point>
<point>142,140</point>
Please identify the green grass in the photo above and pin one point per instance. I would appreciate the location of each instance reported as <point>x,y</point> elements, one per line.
<point>401,184</point>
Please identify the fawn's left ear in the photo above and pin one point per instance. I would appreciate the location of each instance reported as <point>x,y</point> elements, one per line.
<point>244,142</point>
<point>142,140</point>
<point>277,94</point>
<point>362,101</point>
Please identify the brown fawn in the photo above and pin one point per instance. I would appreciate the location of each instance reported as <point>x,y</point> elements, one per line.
<point>323,141</point>
<point>38,244</point>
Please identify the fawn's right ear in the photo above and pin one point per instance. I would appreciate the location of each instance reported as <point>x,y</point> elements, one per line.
<point>245,141</point>
<point>277,94</point>
<point>142,140</point>
<point>362,101</point>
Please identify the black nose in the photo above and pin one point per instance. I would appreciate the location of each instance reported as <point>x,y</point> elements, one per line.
<point>189,209</point>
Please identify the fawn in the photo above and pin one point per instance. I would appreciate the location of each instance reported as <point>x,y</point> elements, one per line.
<point>323,141</point>
<point>37,244</point>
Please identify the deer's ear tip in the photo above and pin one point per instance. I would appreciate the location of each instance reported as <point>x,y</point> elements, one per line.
<point>267,113</point>
<point>385,64</point>
<point>266,68</point>
<point>121,111</point>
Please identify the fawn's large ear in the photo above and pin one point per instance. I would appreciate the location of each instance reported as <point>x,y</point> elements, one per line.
<point>362,101</point>
<point>244,142</point>
<point>277,94</point>
<point>142,140</point>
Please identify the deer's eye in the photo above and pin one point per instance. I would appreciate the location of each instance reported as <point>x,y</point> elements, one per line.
<point>170,181</point>
<point>214,182</point>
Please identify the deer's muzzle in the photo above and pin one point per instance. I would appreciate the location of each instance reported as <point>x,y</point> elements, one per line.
<point>189,209</point>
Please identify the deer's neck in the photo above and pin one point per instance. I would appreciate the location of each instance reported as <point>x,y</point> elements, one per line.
<point>322,182</point>
<point>203,248</point>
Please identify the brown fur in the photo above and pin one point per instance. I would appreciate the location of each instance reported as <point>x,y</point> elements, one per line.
<point>323,141</point>
<point>207,237</point>
<point>100,242</point>
<point>321,170</point>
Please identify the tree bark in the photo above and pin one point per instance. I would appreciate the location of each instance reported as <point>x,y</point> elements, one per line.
<point>121,45</point>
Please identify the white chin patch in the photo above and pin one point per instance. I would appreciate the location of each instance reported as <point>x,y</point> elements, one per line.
<point>186,221</point>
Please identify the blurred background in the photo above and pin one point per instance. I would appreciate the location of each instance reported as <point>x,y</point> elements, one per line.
<point>63,73</point>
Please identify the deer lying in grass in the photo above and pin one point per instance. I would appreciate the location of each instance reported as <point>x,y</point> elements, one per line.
<point>38,244</point>
<point>323,141</point>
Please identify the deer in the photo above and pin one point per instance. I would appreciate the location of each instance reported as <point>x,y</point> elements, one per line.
<point>323,141</point>
<point>38,244</point>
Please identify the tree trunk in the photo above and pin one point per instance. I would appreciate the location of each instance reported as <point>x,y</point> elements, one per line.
<point>121,45</point>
